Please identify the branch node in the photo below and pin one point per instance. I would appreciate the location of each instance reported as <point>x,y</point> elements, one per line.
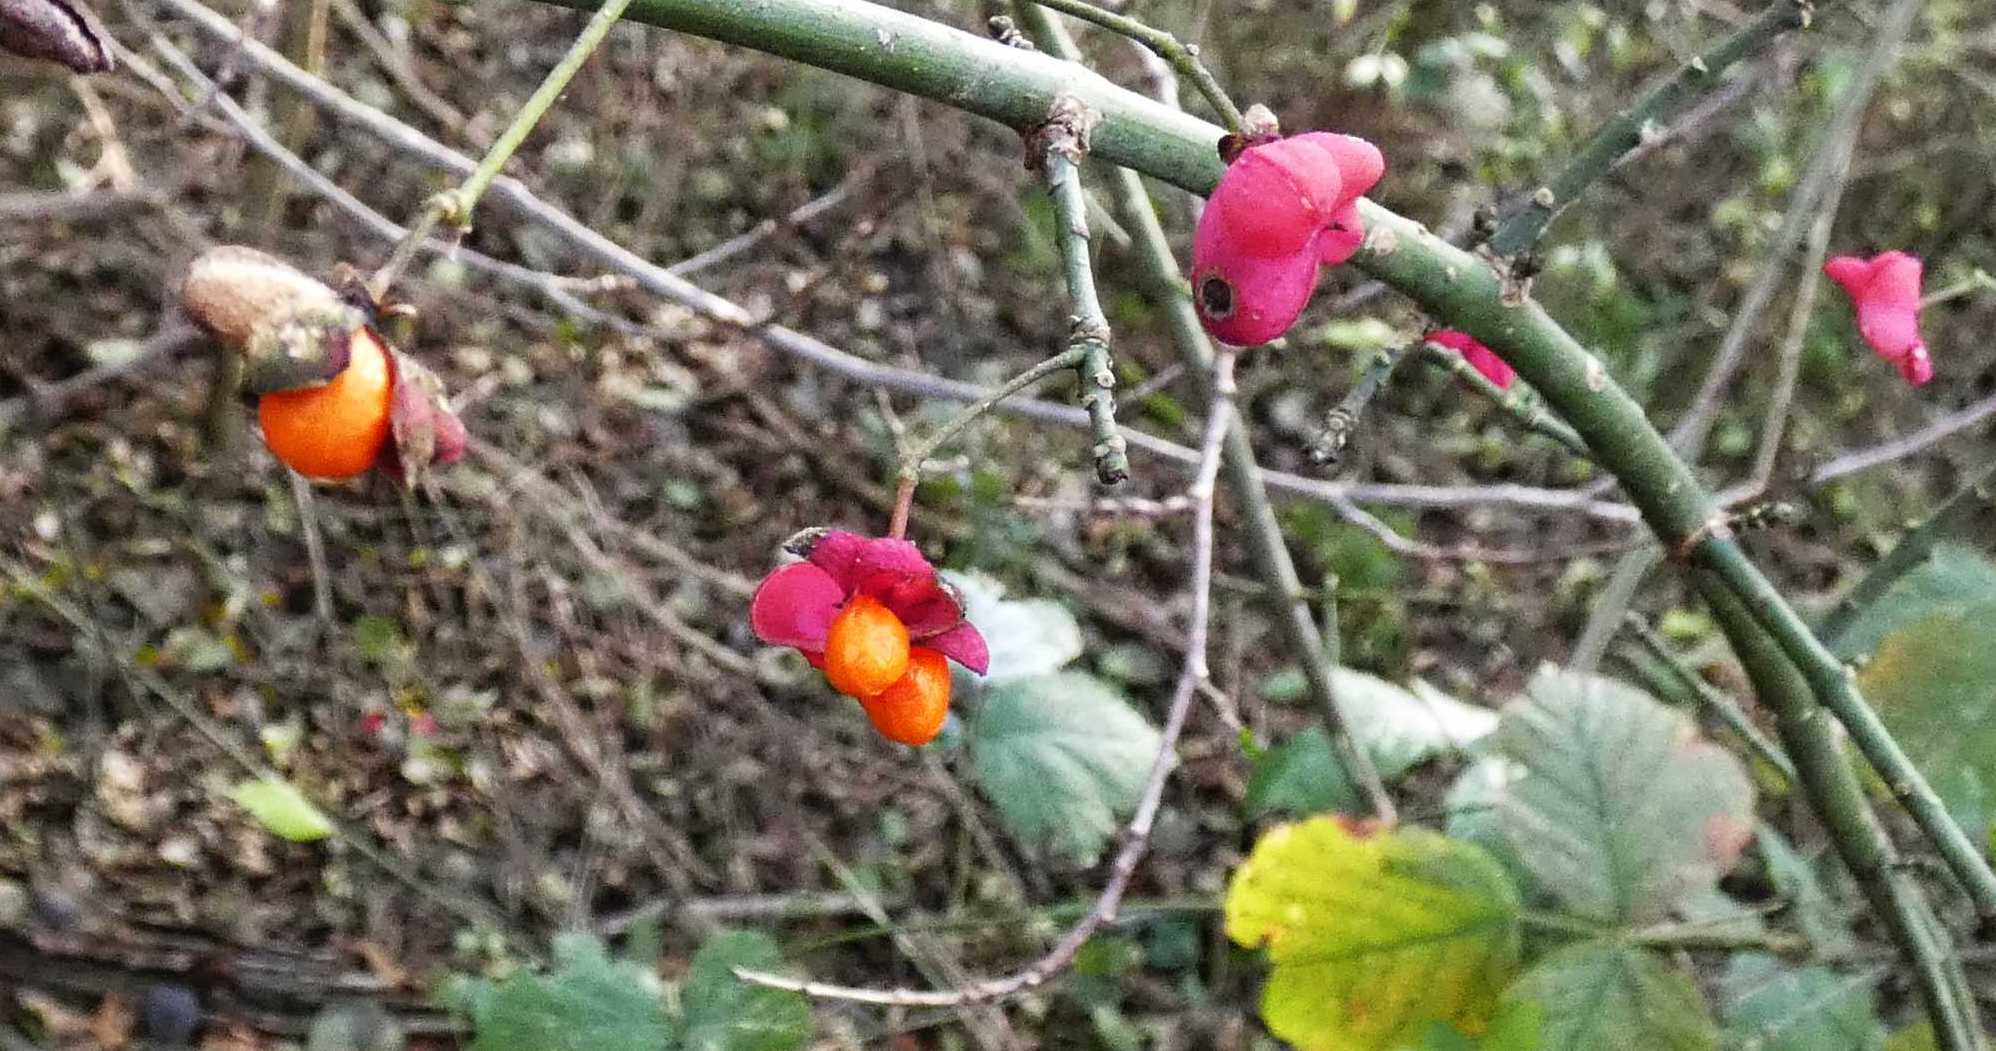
<point>1717,527</point>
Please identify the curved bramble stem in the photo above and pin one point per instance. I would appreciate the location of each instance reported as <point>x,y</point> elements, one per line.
<point>1975,502</point>
<point>1839,802</point>
<point>456,206</point>
<point>1630,128</point>
<point>1063,140</point>
<point>1342,421</point>
<point>1182,58</point>
<point>1516,403</point>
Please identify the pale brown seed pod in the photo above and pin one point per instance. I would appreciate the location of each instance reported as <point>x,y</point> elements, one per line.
<point>292,329</point>
<point>61,31</point>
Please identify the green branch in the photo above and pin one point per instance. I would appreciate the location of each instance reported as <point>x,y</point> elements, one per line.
<point>1839,801</point>
<point>1630,128</point>
<point>1182,59</point>
<point>457,206</point>
<point>1974,503</point>
<point>1710,696</point>
<point>1064,138</point>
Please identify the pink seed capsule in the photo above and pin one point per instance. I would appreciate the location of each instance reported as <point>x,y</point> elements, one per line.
<point>1886,292</point>
<point>1281,210</point>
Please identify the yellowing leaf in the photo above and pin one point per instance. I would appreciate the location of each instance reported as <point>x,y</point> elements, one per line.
<point>279,807</point>
<point>1374,935</point>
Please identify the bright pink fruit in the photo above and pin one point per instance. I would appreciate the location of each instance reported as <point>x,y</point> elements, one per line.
<point>1480,357</point>
<point>1282,209</point>
<point>1886,292</point>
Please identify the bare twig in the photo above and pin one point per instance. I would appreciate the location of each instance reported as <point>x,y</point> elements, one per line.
<point>1063,141</point>
<point>1183,59</point>
<point>1645,119</point>
<point>1263,531</point>
<point>1328,445</point>
<point>1775,423</point>
<point>458,205</point>
<point>1830,159</point>
<point>1710,696</point>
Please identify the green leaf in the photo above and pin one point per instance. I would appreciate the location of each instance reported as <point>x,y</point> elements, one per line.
<point>1399,727</point>
<point>1816,912</point>
<point>1601,995</point>
<point>1953,579</point>
<point>281,809</point>
<point>1938,697</point>
<point>1774,1007</point>
<point>1373,936</point>
<point>1063,757</point>
<point>1027,636</point>
<point>589,1002</point>
<point>724,1013</point>
<point>1622,810</point>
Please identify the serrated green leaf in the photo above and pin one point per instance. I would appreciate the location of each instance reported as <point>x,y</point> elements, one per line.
<point>724,1013</point>
<point>1938,697</point>
<point>282,810</point>
<point>1622,810</point>
<point>1774,1007</point>
<point>1373,937</point>
<point>1399,727</point>
<point>589,1002</point>
<point>1601,995</point>
<point>1953,579</point>
<point>1063,758</point>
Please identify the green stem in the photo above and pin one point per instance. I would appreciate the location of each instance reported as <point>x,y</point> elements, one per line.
<point>1710,696</point>
<point>1516,403</point>
<point>1343,419</point>
<point>458,205</point>
<point>1066,138</point>
<point>1314,652</point>
<point>1834,793</point>
<point>920,452</point>
<point>1182,59</point>
<point>1974,503</point>
<point>1647,117</point>
<point>1836,688</point>
<point>1977,281</point>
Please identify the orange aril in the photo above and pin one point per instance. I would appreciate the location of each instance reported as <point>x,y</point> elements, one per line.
<point>334,431</point>
<point>913,709</point>
<point>866,649</point>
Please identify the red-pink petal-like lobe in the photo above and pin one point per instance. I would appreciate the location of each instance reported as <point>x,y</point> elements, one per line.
<point>924,605</point>
<point>1480,357</point>
<point>1246,300</point>
<point>1360,167</point>
<point>1886,292</point>
<point>1275,197</point>
<point>1360,164</point>
<point>963,644</point>
<point>794,606</point>
<point>872,562</point>
<point>1341,240</point>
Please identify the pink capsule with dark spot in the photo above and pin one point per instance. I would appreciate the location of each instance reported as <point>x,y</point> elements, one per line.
<point>1282,210</point>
